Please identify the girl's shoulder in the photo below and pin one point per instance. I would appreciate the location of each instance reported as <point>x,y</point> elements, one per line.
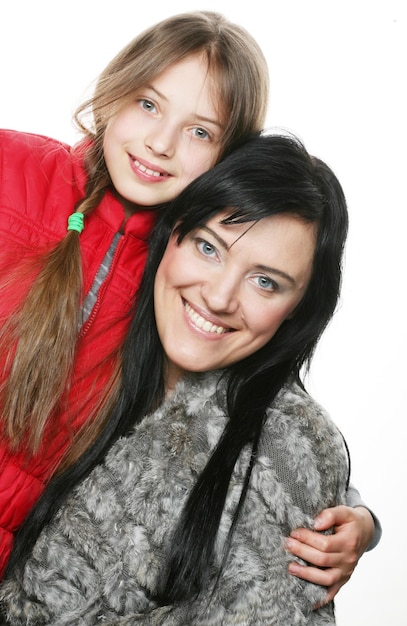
<point>22,144</point>
<point>34,159</point>
<point>40,178</point>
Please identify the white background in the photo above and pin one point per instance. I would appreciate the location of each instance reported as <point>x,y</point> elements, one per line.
<point>338,79</point>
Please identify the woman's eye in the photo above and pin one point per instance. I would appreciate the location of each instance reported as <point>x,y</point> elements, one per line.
<point>201,133</point>
<point>264,282</point>
<point>147,105</point>
<point>206,248</point>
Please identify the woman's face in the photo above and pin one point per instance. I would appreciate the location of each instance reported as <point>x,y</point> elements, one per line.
<point>167,136</point>
<point>224,291</point>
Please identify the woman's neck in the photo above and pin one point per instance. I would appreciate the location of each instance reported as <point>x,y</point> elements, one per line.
<point>172,376</point>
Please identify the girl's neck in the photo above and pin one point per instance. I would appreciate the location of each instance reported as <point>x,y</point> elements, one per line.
<point>129,208</point>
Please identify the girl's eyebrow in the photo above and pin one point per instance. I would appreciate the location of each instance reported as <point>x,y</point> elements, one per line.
<point>202,118</point>
<point>262,268</point>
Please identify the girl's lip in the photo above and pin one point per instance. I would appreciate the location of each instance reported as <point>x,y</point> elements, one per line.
<point>147,170</point>
<point>204,321</point>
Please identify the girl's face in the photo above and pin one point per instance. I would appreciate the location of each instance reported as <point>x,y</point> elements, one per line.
<point>168,135</point>
<point>224,291</point>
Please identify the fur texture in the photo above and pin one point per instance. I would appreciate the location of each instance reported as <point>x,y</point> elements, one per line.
<point>99,559</point>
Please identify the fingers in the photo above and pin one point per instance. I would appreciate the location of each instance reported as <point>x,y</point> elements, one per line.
<point>331,558</point>
<point>324,577</point>
<point>335,516</point>
<point>332,578</point>
<point>314,549</point>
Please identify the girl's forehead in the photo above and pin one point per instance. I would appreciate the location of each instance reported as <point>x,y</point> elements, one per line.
<point>191,73</point>
<point>212,80</point>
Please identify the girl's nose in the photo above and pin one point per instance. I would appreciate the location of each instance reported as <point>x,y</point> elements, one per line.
<point>161,141</point>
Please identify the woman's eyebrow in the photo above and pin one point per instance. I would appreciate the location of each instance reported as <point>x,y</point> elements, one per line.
<point>218,238</point>
<point>273,270</point>
<point>262,268</point>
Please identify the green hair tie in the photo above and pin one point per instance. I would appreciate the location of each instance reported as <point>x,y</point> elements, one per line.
<point>75,222</point>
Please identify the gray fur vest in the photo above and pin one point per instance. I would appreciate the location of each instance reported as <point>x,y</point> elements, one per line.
<point>97,561</point>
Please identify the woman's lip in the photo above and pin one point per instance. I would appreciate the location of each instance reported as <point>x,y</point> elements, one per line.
<point>204,321</point>
<point>148,169</point>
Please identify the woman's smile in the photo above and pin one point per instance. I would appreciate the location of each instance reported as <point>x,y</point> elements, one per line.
<point>203,323</point>
<point>224,290</point>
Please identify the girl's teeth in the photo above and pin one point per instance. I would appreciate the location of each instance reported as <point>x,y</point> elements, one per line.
<point>203,323</point>
<point>146,170</point>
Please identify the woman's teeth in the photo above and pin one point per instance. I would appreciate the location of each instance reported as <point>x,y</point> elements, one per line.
<point>202,323</point>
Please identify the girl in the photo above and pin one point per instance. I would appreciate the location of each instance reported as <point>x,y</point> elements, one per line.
<point>170,105</point>
<point>215,450</point>
<point>165,110</point>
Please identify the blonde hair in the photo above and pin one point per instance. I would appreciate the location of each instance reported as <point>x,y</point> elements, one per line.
<point>46,335</point>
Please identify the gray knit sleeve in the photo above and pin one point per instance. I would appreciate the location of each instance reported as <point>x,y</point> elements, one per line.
<point>353,499</point>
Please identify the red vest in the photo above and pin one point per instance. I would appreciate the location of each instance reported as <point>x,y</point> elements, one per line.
<point>40,182</point>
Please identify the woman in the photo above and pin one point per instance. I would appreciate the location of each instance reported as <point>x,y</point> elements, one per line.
<point>214,451</point>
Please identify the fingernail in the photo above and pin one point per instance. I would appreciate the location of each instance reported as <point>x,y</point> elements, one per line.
<point>293,568</point>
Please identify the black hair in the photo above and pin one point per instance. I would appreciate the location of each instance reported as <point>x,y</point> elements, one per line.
<point>269,175</point>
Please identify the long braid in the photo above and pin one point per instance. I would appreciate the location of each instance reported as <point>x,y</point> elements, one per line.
<point>44,329</point>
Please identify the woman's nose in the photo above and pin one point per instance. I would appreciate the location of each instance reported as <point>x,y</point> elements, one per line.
<point>221,293</point>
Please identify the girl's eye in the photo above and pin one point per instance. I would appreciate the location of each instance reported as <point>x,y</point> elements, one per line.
<point>206,248</point>
<point>200,133</point>
<point>147,105</point>
<point>264,282</point>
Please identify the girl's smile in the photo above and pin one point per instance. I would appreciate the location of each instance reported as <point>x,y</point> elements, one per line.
<point>146,171</point>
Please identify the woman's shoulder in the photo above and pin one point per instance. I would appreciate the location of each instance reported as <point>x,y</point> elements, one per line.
<point>304,449</point>
<point>295,415</point>
<point>295,406</point>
